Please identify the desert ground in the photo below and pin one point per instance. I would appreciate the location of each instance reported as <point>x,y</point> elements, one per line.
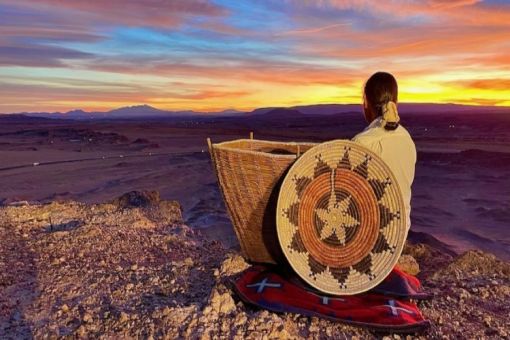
<point>77,260</point>
<point>460,194</point>
<point>131,268</point>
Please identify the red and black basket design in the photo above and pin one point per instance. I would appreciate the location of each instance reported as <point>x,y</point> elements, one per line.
<point>340,218</point>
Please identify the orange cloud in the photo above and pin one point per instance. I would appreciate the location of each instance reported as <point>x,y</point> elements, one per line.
<point>484,84</point>
<point>479,101</point>
<point>247,70</point>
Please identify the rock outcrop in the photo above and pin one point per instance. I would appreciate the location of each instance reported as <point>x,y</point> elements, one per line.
<point>132,268</point>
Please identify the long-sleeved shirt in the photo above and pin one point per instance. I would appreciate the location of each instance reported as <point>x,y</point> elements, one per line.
<point>398,151</point>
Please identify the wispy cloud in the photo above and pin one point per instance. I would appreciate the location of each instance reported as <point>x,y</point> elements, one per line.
<point>166,13</point>
<point>312,30</point>
<point>37,55</point>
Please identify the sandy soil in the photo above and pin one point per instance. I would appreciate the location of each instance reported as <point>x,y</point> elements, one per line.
<point>132,268</point>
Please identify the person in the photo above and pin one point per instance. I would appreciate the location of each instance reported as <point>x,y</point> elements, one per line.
<point>385,136</point>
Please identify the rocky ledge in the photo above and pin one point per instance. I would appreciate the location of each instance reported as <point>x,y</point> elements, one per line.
<point>131,268</point>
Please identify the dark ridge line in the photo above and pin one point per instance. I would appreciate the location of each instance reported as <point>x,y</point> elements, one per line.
<point>97,159</point>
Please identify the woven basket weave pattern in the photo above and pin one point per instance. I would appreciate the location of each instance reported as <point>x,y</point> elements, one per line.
<point>339,218</point>
<point>248,174</point>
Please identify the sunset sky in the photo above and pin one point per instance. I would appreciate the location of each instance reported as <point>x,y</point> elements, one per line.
<point>213,55</point>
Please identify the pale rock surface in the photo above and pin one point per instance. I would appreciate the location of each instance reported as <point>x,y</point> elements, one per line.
<point>131,269</point>
<point>408,264</point>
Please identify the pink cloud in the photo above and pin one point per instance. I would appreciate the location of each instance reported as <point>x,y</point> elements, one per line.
<point>108,92</point>
<point>394,7</point>
<point>30,29</point>
<point>249,70</point>
<point>168,13</point>
<point>47,32</point>
<point>448,4</point>
<point>307,31</point>
<point>456,12</point>
<point>430,40</point>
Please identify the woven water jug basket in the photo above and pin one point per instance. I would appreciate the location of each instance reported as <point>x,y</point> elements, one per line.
<point>341,218</point>
<point>249,173</point>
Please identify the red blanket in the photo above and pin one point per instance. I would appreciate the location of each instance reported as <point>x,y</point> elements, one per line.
<point>386,307</point>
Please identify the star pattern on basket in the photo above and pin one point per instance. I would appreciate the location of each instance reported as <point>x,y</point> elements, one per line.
<point>337,221</point>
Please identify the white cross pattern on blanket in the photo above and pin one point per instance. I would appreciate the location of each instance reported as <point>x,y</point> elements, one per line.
<point>263,284</point>
<point>326,299</point>
<point>395,309</point>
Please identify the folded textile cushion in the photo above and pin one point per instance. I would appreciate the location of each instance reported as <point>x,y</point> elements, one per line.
<point>265,287</point>
<point>401,284</point>
<point>398,284</point>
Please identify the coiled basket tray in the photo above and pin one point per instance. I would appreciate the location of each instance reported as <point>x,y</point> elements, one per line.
<point>249,173</point>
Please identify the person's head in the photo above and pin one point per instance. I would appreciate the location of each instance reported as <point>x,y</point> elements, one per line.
<point>381,90</point>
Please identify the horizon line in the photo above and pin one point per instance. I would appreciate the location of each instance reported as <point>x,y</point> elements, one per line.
<point>211,111</point>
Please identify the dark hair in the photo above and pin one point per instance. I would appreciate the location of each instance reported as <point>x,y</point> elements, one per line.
<point>381,88</point>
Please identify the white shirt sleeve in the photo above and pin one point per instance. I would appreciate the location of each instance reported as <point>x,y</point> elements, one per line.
<point>372,144</point>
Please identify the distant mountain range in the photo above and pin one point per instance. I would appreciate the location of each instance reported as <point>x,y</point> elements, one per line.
<point>330,109</point>
<point>147,111</point>
<point>128,112</point>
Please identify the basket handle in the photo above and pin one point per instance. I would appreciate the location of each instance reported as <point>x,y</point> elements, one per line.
<point>298,151</point>
<point>251,134</point>
<point>209,144</point>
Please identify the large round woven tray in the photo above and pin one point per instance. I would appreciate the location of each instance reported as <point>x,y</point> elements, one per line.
<point>340,218</point>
